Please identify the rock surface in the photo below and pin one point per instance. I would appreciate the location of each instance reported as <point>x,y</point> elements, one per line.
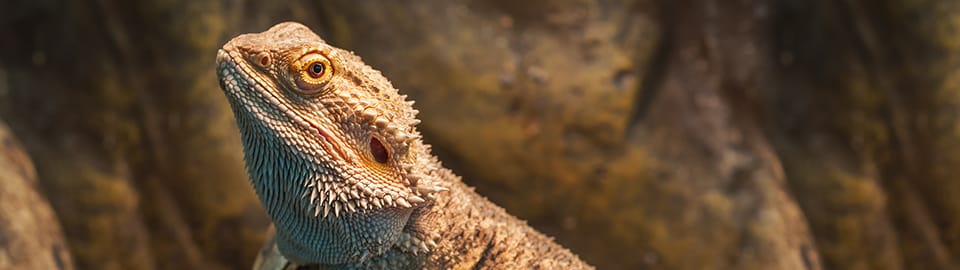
<point>650,134</point>
<point>30,234</point>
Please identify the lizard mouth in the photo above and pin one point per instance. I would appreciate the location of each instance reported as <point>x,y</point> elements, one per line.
<point>233,65</point>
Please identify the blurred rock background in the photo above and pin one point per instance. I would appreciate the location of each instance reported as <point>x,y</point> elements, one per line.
<point>648,134</point>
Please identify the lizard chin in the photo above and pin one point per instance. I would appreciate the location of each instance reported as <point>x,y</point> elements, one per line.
<point>347,238</point>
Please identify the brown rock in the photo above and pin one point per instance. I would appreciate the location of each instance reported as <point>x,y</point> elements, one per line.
<point>118,104</point>
<point>640,134</point>
<point>865,129</point>
<point>30,235</point>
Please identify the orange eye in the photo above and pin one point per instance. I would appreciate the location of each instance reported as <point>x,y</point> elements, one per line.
<point>316,69</point>
<point>312,70</point>
<point>378,151</point>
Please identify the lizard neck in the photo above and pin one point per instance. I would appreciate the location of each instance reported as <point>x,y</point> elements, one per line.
<point>282,179</point>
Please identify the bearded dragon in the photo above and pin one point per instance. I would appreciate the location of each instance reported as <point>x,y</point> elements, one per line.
<point>333,153</point>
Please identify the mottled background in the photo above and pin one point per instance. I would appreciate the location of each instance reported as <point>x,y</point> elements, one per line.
<point>656,134</point>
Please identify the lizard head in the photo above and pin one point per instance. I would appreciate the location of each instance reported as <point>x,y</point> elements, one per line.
<point>316,120</point>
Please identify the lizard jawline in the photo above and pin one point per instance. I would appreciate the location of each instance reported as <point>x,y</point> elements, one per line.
<point>329,143</point>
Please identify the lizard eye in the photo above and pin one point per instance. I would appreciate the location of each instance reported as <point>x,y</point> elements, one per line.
<point>313,72</point>
<point>378,151</point>
<point>316,69</point>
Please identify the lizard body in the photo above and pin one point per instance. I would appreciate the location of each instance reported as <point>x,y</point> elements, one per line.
<point>334,155</point>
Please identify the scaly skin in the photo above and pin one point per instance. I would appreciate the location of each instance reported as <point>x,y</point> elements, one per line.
<point>334,156</point>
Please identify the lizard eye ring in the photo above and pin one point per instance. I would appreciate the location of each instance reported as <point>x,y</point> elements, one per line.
<point>313,71</point>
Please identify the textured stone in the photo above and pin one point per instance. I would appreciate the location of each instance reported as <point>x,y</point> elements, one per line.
<point>30,235</point>
<point>640,134</point>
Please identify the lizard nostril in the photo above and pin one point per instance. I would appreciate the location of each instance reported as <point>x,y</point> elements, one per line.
<point>378,151</point>
<point>264,59</point>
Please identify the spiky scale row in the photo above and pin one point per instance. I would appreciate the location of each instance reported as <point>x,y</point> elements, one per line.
<point>325,196</point>
<point>416,245</point>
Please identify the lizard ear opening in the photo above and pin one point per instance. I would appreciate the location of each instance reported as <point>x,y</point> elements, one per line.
<point>378,151</point>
